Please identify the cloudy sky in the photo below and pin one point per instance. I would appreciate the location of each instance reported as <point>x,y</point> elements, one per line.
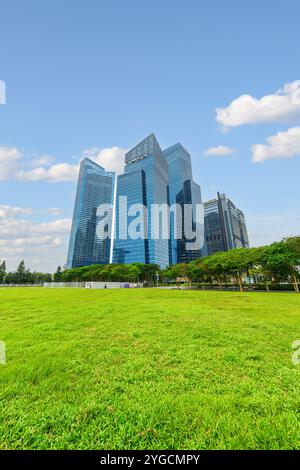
<point>94,77</point>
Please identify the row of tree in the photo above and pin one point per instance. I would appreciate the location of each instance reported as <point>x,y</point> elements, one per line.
<point>276,263</point>
<point>110,272</point>
<point>136,272</point>
<point>22,275</point>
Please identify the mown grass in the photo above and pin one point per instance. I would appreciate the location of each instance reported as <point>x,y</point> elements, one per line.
<point>148,369</point>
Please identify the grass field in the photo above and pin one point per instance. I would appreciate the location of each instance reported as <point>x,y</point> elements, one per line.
<point>148,369</point>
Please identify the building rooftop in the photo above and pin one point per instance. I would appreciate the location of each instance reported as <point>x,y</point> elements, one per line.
<point>146,147</point>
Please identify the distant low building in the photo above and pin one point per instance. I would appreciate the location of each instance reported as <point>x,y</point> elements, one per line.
<point>224,226</point>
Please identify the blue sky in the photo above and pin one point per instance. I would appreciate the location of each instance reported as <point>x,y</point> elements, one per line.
<point>94,77</point>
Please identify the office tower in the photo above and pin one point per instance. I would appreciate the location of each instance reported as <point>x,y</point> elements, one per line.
<point>225,226</point>
<point>182,190</point>
<point>145,181</point>
<point>95,187</point>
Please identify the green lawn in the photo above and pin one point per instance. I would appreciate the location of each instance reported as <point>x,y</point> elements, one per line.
<point>148,369</point>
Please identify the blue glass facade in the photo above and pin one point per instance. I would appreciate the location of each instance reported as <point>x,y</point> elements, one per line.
<point>152,177</point>
<point>95,187</point>
<point>127,250</point>
<point>182,190</point>
<point>145,181</point>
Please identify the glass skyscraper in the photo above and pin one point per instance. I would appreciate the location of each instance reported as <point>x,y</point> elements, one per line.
<point>126,250</point>
<point>182,190</point>
<point>154,181</point>
<point>225,226</point>
<point>95,187</point>
<point>145,181</point>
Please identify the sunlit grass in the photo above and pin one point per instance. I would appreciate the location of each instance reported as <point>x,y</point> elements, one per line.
<point>147,368</point>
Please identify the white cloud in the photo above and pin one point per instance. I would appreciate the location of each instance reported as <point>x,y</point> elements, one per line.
<point>43,160</point>
<point>282,106</point>
<point>282,145</point>
<point>220,150</point>
<point>10,211</point>
<point>14,250</point>
<point>9,162</point>
<point>55,211</point>
<point>56,226</point>
<point>43,168</point>
<point>45,241</point>
<point>42,245</point>
<point>54,174</point>
<point>12,228</point>
<point>111,158</point>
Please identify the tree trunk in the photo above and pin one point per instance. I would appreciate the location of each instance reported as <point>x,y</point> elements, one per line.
<point>240,283</point>
<point>295,283</point>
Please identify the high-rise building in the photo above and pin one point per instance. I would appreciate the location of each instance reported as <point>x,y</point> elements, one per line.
<point>153,197</point>
<point>182,191</point>
<point>145,181</point>
<point>225,226</point>
<point>95,187</point>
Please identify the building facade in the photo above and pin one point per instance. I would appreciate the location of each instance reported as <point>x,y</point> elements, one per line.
<point>182,191</point>
<point>153,181</point>
<point>145,181</point>
<point>224,226</point>
<point>95,187</point>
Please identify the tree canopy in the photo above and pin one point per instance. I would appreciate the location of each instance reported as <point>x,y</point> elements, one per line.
<point>275,263</point>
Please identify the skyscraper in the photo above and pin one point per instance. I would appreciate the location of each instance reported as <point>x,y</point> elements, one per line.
<point>145,181</point>
<point>225,226</point>
<point>95,187</point>
<point>157,216</point>
<point>182,191</point>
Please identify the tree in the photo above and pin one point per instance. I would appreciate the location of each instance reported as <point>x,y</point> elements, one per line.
<point>23,275</point>
<point>21,270</point>
<point>293,243</point>
<point>147,271</point>
<point>40,278</point>
<point>237,261</point>
<point>215,266</point>
<point>196,271</point>
<point>47,277</point>
<point>178,270</point>
<point>170,272</point>
<point>2,272</point>
<point>91,273</point>
<point>20,276</point>
<point>280,263</point>
<point>11,278</point>
<point>71,275</point>
<point>58,275</point>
